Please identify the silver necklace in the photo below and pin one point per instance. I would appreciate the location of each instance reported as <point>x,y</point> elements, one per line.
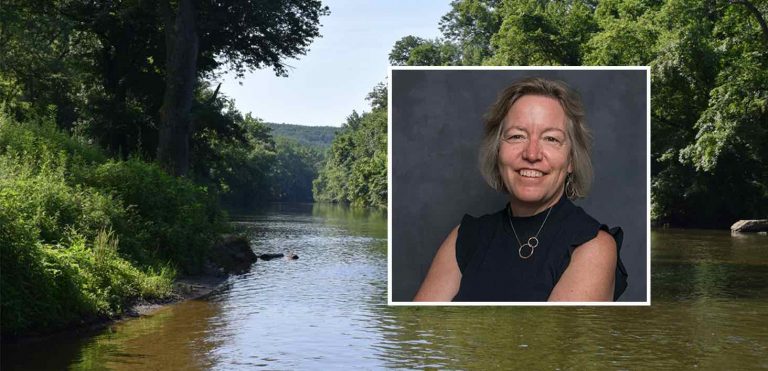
<point>533,241</point>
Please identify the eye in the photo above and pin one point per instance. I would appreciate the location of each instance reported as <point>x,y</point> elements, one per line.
<point>551,139</point>
<point>514,138</point>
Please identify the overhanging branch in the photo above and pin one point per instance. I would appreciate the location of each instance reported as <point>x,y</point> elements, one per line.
<point>759,16</point>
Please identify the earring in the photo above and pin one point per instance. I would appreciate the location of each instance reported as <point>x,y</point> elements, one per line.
<point>570,188</point>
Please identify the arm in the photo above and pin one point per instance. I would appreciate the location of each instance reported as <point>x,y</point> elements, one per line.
<point>591,272</point>
<point>444,276</point>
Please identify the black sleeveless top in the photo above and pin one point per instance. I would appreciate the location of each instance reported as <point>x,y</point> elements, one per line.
<point>492,270</point>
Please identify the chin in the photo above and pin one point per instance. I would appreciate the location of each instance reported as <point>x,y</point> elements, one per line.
<point>533,196</point>
<point>529,197</point>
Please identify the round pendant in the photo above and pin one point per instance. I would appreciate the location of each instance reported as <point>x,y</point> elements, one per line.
<point>532,247</point>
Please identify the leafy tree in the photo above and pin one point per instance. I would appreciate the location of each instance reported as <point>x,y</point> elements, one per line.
<point>709,108</point>
<point>42,61</point>
<point>378,98</point>
<point>355,170</point>
<point>470,24</point>
<point>542,33</point>
<point>240,166</point>
<point>143,59</point>
<point>627,35</point>
<point>415,51</point>
<point>295,168</point>
<point>353,120</point>
<point>401,51</point>
<point>269,33</point>
<point>467,31</point>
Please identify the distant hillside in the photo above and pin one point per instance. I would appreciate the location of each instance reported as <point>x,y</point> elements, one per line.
<point>319,136</point>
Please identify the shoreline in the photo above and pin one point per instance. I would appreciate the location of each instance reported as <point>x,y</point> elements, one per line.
<point>184,289</point>
<point>232,255</point>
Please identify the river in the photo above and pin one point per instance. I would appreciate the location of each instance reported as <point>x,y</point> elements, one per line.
<point>327,310</point>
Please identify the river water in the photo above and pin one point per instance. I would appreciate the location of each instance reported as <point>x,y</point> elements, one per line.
<point>328,310</point>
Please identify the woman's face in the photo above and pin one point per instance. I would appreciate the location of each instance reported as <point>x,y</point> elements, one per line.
<point>534,152</point>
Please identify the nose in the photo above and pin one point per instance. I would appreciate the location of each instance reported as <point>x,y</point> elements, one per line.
<point>532,151</point>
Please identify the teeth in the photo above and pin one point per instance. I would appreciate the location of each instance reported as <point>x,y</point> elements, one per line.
<point>531,173</point>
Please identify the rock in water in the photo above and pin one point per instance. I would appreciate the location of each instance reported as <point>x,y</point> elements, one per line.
<point>755,225</point>
<point>270,256</point>
<point>234,254</point>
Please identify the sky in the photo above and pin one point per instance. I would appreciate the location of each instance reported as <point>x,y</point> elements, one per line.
<point>341,67</point>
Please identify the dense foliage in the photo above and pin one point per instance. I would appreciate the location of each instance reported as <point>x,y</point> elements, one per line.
<point>90,218</point>
<point>105,65</point>
<point>83,235</point>
<point>249,165</point>
<point>355,171</point>
<point>709,65</point>
<point>296,168</point>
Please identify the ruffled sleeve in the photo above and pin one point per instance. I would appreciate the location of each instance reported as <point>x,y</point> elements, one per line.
<point>620,283</point>
<point>588,231</point>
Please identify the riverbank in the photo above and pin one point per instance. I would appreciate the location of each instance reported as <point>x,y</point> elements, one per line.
<point>184,289</point>
<point>83,234</point>
<point>231,255</point>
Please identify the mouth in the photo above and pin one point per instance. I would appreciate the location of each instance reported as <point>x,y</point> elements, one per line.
<point>529,173</point>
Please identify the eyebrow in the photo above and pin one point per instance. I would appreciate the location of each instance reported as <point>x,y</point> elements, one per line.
<point>543,131</point>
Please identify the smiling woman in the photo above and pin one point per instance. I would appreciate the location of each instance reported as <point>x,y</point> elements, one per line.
<point>536,151</point>
<point>528,154</point>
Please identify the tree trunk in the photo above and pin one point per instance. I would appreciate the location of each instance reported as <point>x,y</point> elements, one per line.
<point>180,76</point>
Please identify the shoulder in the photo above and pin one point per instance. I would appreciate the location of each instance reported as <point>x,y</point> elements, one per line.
<point>591,268</point>
<point>602,248</point>
<point>443,278</point>
<point>590,273</point>
<point>452,235</point>
<point>448,247</point>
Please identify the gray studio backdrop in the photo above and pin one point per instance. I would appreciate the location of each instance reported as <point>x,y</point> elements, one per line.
<point>437,123</point>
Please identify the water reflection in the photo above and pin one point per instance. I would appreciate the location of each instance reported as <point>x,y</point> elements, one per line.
<point>708,311</point>
<point>313,312</point>
<point>713,335</point>
<point>145,341</point>
<point>328,310</point>
<point>167,338</point>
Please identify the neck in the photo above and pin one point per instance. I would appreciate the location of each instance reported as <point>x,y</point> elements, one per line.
<point>520,208</point>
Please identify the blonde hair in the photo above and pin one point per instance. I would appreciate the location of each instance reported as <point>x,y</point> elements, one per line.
<point>576,129</point>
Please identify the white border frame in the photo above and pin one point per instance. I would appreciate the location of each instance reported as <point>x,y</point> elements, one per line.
<point>647,70</point>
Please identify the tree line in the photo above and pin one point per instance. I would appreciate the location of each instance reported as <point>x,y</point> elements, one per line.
<point>355,170</point>
<point>316,136</point>
<point>131,77</point>
<point>116,154</point>
<point>709,76</point>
